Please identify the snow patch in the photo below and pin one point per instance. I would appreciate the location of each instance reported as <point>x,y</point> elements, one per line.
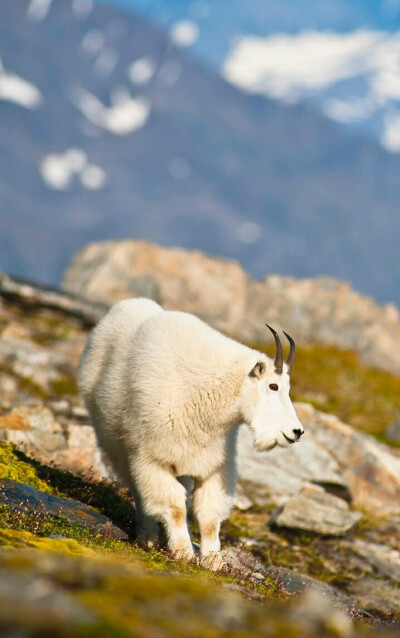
<point>106,62</point>
<point>391,135</point>
<point>302,66</point>
<point>76,159</point>
<point>93,177</point>
<point>58,170</point>
<point>249,232</point>
<point>353,110</point>
<point>292,66</point>
<point>141,71</point>
<point>19,91</point>
<point>184,33</point>
<point>286,66</point>
<point>82,8</point>
<point>385,85</point>
<point>125,115</point>
<point>38,9</point>
<point>92,42</point>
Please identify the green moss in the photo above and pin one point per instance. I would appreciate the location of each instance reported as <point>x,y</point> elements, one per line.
<point>43,325</point>
<point>237,526</point>
<point>336,381</point>
<point>105,498</point>
<point>64,385</point>
<point>113,501</point>
<point>48,328</point>
<point>13,466</point>
<point>28,385</point>
<point>21,539</point>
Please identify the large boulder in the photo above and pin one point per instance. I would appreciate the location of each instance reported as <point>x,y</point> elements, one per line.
<point>214,289</point>
<point>221,293</point>
<point>72,446</point>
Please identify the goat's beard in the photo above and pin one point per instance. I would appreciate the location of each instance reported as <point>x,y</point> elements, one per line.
<point>266,447</point>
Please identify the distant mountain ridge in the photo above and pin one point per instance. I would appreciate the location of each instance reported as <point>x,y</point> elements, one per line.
<point>122,135</point>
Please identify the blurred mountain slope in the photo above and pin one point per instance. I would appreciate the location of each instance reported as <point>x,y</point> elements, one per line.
<point>341,57</point>
<point>108,131</point>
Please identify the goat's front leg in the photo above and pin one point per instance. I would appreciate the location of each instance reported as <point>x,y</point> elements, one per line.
<point>164,498</point>
<point>212,501</point>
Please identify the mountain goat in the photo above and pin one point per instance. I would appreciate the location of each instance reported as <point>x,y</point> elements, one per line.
<point>166,394</point>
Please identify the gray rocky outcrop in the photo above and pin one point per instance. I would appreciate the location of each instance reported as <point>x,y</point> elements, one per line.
<point>346,462</point>
<point>315,510</point>
<point>370,469</point>
<point>219,291</point>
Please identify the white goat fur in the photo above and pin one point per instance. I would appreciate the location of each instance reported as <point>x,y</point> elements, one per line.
<point>165,394</point>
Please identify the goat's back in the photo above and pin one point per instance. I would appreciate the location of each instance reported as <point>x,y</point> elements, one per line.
<point>107,345</point>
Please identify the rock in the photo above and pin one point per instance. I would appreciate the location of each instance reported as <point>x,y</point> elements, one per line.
<point>317,611</point>
<point>36,432</point>
<point>28,360</point>
<point>134,602</point>
<point>219,291</point>
<point>376,596</point>
<point>370,469</point>
<point>175,278</point>
<point>266,477</point>
<point>47,609</point>
<point>82,454</point>
<point>316,511</point>
<point>293,583</point>
<point>241,560</point>
<point>384,559</point>
<point>24,498</point>
<point>346,462</point>
<point>393,432</point>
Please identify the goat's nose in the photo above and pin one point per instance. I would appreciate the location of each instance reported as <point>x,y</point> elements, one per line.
<point>298,433</point>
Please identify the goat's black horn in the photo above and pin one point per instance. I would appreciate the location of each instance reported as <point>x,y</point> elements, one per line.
<point>279,354</point>
<point>292,352</point>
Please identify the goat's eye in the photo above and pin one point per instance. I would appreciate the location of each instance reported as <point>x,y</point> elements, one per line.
<point>273,386</point>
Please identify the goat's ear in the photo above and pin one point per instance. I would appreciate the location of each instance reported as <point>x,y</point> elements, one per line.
<point>258,370</point>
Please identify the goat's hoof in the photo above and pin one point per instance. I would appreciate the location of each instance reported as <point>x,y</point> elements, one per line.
<point>147,540</point>
<point>186,554</point>
<point>213,561</point>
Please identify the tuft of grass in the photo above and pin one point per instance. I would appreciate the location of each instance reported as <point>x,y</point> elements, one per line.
<point>336,381</point>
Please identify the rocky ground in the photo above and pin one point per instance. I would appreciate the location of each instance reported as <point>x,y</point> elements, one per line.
<point>312,545</point>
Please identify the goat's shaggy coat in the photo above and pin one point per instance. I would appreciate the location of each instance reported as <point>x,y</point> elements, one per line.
<point>165,394</point>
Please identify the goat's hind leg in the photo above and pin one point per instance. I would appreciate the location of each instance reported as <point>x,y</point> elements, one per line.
<point>147,528</point>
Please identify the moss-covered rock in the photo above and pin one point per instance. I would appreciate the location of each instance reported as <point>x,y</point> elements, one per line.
<point>82,594</point>
<point>15,466</point>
